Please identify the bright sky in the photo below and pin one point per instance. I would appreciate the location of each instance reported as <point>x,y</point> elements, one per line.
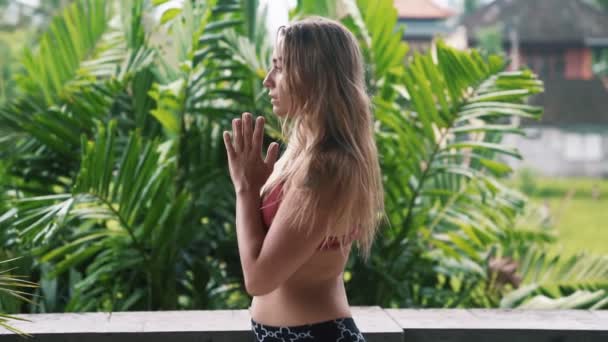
<point>33,3</point>
<point>277,14</point>
<point>277,11</point>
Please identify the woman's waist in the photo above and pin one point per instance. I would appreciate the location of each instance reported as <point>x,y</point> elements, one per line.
<point>293,304</point>
<point>276,310</point>
<point>303,295</point>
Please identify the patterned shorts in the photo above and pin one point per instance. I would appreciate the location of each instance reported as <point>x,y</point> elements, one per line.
<point>337,330</point>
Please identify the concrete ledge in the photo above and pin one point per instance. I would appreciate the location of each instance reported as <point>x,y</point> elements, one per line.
<point>211,326</point>
<point>377,324</point>
<point>459,325</point>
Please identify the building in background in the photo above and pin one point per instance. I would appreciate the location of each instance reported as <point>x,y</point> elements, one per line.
<point>424,21</point>
<point>556,39</point>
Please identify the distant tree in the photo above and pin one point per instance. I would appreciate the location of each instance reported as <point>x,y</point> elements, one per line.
<point>471,5</point>
<point>490,40</point>
<point>600,62</point>
<point>603,4</point>
<point>600,56</point>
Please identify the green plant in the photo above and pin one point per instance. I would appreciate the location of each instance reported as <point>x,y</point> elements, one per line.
<point>603,4</point>
<point>441,118</point>
<point>600,62</point>
<point>490,40</point>
<point>117,132</point>
<point>12,286</point>
<point>527,179</point>
<point>471,6</point>
<point>554,281</point>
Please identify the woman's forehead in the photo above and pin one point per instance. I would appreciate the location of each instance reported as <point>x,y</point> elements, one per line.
<point>278,46</point>
<point>277,53</point>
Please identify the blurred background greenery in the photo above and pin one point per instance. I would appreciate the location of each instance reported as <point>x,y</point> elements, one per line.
<point>574,208</point>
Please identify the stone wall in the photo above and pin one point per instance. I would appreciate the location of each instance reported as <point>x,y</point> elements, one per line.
<point>376,324</point>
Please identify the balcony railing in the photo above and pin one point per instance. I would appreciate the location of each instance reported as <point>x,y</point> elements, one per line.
<point>376,324</point>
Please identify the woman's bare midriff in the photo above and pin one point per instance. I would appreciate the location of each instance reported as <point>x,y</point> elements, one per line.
<point>315,293</point>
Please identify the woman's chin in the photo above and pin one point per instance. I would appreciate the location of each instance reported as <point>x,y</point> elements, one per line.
<point>278,111</point>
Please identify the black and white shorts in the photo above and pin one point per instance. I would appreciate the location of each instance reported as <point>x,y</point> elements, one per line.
<point>336,330</point>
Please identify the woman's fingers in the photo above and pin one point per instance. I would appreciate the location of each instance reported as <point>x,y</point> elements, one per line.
<point>272,154</point>
<point>258,135</point>
<point>247,118</point>
<point>228,144</point>
<point>247,135</point>
<point>237,135</point>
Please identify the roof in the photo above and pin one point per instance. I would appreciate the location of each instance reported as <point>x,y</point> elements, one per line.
<point>541,21</point>
<point>421,9</point>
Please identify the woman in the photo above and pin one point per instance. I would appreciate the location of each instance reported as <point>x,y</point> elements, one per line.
<point>297,218</point>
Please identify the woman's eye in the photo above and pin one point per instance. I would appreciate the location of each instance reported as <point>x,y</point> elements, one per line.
<point>274,67</point>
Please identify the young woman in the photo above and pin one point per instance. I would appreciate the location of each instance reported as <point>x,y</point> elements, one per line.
<point>297,218</point>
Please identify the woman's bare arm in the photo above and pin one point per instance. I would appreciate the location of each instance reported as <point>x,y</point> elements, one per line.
<point>249,229</point>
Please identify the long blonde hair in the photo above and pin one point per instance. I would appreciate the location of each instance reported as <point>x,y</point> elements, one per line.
<point>331,152</point>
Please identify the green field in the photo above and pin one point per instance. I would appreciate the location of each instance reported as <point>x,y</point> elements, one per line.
<point>579,214</point>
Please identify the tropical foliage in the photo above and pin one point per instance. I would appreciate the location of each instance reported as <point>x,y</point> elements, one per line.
<point>119,196</point>
<point>13,287</point>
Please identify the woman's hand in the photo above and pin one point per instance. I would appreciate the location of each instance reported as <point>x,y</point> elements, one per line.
<point>247,169</point>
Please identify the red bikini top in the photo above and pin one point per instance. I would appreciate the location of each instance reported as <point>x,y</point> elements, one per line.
<point>270,206</point>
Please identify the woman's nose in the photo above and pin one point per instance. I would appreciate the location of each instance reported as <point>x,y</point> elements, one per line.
<point>268,81</point>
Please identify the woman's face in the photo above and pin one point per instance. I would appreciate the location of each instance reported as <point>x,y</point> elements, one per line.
<point>275,81</point>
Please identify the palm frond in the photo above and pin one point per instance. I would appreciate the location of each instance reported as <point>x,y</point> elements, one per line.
<point>374,23</point>
<point>441,155</point>
<point>11,285</point>
<point>557,281</point>
<point>128,192</point>
<point>74,80</point>
<point>70,39</point>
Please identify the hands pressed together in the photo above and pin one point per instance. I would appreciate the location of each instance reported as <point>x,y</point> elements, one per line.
<point>248,170</point>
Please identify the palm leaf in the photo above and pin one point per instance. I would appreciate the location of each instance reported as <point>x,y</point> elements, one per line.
<point>441,154</point>
<point>110,188</point>
<point>557,281</point>
<point>72,86</point>
<point>374,24</point>
<point>10,285</point>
